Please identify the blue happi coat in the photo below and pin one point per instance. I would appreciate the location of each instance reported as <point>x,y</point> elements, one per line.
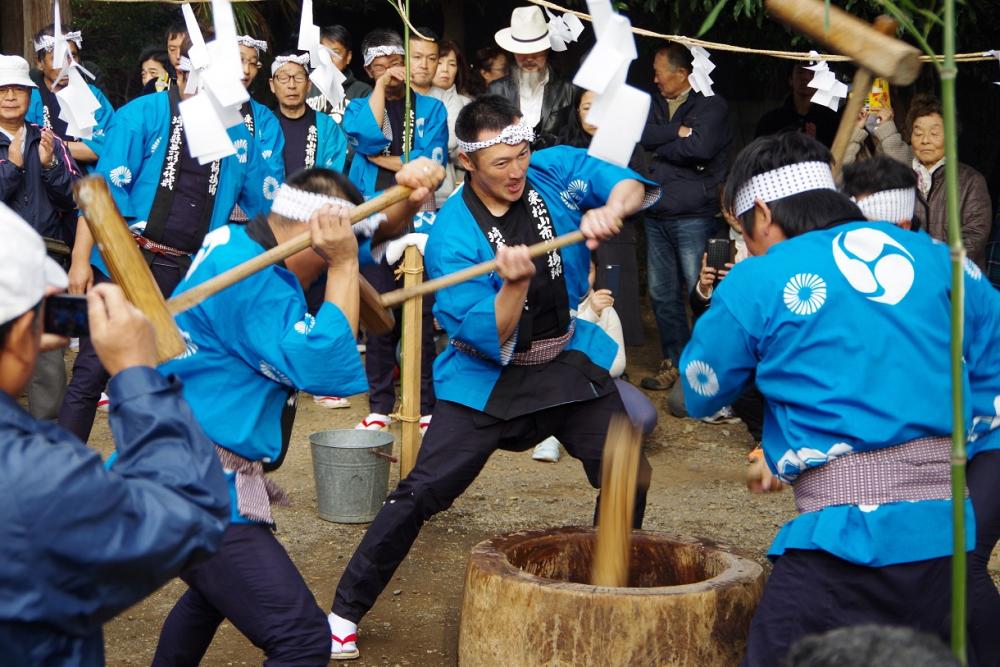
<point>268,136</point>
<point>103,116</point>
<point>570,182</point>
<point>133,159</point>
<point>848,331</point>
<point>250,347</point>
<point>364,133</point>
<point>331,148</point>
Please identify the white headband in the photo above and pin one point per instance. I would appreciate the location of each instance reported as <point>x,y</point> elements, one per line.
<point>258,45</point>
<point>511,135</point>
<point>893,206</point>
<point>784,182</point>
<point>48,42</point>
<point>184,64</point>
<point>379,51</point>
<point>302,59</point>
<point>300,205</point>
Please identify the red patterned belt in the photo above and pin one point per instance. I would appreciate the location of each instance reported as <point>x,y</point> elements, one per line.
<point>158,248</point>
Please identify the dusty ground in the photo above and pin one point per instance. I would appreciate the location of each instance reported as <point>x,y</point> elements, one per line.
<point>697,490</point>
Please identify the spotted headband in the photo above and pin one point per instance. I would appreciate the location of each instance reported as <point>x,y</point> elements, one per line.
<point>258,45</point>
<point>784,182</point>
<point>300,205</point>
<point>301,59</point>
<point>379,51</point>
<point>48,42</point>
<point>893,206</point>
<point>512,135</point>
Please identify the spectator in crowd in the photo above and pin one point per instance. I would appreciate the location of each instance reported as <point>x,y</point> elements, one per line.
<point>81,543</point>
<point>260,121</point>
<point>689,136</point>
<point>36,181</point>
<point>545,99</point>
<point>177,33</point>
<point>799,113</point>
<point>492,63</point>
<point>339,43</point>
<point>926,124</point>
<point>44,110</point>
<point>876,134</point>
<point>449,81</point>
<point>620,250</point>
<point>156,74</point>
<point>424,54</point>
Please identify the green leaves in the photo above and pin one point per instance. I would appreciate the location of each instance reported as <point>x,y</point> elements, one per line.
<point>712,17</point>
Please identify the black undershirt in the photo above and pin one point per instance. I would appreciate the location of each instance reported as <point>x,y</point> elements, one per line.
<point>296,131</point>
<point>397,111</point>
<point>182,228</point>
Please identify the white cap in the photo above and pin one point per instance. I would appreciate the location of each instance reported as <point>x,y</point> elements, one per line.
<point>528,32</point>
<point>14,72</point>
<point>26,270</point>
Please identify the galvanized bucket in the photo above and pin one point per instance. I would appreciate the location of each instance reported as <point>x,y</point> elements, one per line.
<point>351,469</point>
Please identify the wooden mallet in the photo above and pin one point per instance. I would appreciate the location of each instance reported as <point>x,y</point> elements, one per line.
<point>872,47</point>
<point>130,271</point>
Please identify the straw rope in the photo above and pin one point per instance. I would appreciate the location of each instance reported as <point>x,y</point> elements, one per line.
<point>785,55</point>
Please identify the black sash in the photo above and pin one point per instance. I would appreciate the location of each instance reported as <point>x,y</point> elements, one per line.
<point>50,113</point>
<point>385,178</point>
<point>546,310</point>
<point>163,200</point>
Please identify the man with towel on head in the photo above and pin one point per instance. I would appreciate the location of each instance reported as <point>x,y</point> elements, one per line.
<point>837,316</point>
<point>520,366</point>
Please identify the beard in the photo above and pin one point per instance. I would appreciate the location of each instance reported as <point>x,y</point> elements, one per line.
<point>530,79</point>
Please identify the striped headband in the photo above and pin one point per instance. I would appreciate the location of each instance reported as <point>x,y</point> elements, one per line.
<point>512,135</point>
<point>301,59</point>
<point>379,51</point>
<point>894,206</point>
<point>784,182</point>
<point>258,45</point>
<point>48,42</point>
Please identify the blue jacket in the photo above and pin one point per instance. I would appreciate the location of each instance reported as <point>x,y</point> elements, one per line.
<point>690,169</point>
<point>103,116</point>
<point>43,197</point>
<point>268,136</point>
<point>79,543</point>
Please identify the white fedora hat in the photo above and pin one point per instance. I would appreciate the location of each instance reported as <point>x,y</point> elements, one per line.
<point>528,32</point>
<point>14,72</point>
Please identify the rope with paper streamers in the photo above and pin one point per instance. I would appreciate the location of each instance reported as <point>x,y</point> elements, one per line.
<point>981,56</point>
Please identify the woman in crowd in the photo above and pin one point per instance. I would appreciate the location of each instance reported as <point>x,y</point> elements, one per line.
<point>492,63</point>
<point>450,80</point>
<point>155,71</point>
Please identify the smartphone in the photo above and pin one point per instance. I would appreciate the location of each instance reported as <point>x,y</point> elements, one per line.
<point>720,252</point>
<point>66,315</point>
<point>611,278</point>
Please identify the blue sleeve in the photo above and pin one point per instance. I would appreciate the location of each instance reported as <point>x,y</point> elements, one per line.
<point>467,311</point>
<point>318,355</point>
<point>101,540</point>
<point>718,361</point>
<point>710,134</point>
<point>104,116</point>
<point>261,180</point>
<point>360,126</point>
<point>433,141</point>
<point>592,178</point>
<point>36,110</point>
<point>123,154</point>
<point>332,144</point>
<point>270,139</point>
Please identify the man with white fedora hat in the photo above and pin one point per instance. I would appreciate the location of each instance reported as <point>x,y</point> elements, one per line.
<point>544,99</point>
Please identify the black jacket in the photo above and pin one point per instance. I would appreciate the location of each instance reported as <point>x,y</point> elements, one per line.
<point>557,105</point>
<point>690,169</point>
<point>43,197</point>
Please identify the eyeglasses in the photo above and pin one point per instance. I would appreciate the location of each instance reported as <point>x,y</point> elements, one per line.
<point>12,88</point>
<point>379,70</point>
<point>285,78</point>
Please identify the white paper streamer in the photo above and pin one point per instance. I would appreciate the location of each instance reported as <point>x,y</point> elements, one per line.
<point>77,102</point>
<point>701,69</point>
<point>829,91</point>
<point>995,54</point>
<point>619,111</point>
<point>325,75</point>
<point>563,30</point>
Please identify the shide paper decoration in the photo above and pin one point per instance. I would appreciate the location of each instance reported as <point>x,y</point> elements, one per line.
<point>77,103</point>
<point>701,68</point>
<point>829,91</point>
<point>563,30</point>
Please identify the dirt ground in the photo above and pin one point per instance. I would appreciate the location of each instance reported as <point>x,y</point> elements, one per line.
<point>697,490</point>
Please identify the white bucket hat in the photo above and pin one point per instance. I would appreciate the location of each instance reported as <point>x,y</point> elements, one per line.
<point>14,72</point>
<point>528,32</point>
<point>26,270</point>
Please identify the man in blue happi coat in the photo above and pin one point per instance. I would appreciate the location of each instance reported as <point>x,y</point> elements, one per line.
<point>44,110</point>
<point>520,366</point>
<point>79,544</point>
<point>836,316</point>
<point>170,201</point>
<point>258,343</point>
<point>375,127</point>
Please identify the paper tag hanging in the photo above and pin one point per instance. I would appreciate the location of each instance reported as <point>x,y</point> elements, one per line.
<point>829,90</point>
<point>563,30</point>
<point>325,75</point>
<point>701,69</point>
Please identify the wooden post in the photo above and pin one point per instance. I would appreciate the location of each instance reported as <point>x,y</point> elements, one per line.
<point>21,19</point>
<point>409,409</point>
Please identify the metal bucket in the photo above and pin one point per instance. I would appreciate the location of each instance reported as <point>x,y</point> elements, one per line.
<point>351,470</point>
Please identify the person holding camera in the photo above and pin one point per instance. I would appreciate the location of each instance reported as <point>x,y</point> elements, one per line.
<point>80,543</point>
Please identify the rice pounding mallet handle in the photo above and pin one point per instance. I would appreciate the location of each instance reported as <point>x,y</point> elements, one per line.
<point>873,48</point>
<point>396,297</point>
<point>130,271</point>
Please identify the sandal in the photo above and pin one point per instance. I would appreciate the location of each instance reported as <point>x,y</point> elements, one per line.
<point>346,652</point>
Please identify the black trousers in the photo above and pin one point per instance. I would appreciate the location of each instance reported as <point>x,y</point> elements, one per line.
<point>983,480</point>
<point>457,445</point>
<point>252,582</point>
<point>811,592</point>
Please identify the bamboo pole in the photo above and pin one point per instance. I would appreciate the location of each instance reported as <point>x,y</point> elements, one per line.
<point>949,72</point>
